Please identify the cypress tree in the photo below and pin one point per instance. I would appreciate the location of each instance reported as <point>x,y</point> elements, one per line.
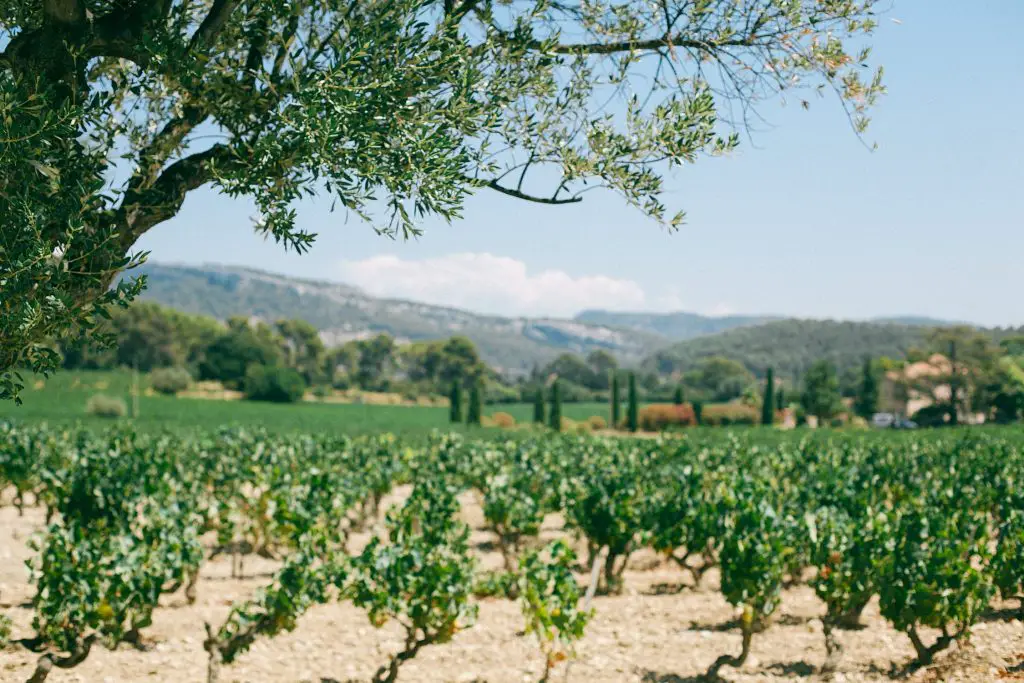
<point>698,409</point>
<point>632,405</point>
<point>867,395</point>
<point>678,397</point>
<point>555,415</point>
<point>538,406</point>
<point>768,405</point>
<point>455,398</point>
<point>954,387</point>
<point>780,398</point>
<point>475,405</point>
<point>616,400</point>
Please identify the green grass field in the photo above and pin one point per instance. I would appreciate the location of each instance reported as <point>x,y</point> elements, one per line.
<point>61,399</point>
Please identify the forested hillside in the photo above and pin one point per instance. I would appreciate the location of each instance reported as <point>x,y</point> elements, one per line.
<point>791,346</point>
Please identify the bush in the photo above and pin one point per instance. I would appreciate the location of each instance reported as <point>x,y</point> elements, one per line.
<point>274,384</point>
<point>597,423</point>
<point>935,415</point>
<point>170,380</point>
<point>655,418</point>
<point>503,420</point>
<point>102,405</point>
<point>581,428</point>
<point>726,414</point>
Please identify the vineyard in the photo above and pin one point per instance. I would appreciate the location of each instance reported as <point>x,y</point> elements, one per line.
<point>543,540</point>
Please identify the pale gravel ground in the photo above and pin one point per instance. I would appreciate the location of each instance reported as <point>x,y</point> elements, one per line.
<point>641,637</point>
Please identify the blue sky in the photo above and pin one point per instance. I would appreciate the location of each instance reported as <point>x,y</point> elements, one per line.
<point>805,221</point>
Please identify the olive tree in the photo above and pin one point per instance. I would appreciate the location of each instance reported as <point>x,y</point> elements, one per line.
<point>113,111</point>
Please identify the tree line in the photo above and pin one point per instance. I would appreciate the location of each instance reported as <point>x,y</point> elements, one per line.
<point>283,359</point>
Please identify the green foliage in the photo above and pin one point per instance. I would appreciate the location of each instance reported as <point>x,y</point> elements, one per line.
<point>303,117</point>
<point>102,405</point>
<point>422,577</point>
<point>934,415</point>
<point>847,549</point>
<point>516,490</point>
<point>682,519</point>
<point>698,412</point>
<point>677,396</point>
<point>866,404</point>
<point>170,380</point>
<point>304,580</point>
<point>928,521</point>
<point>729,414</point>
<point>632,405</point>
<point>455,403</point>
<point>538,406</point>
<point>754,553</point>
<point>274,384</point>
<point>555,409</point>
<point>127,526</point>
<point>475,411</point>
<point>790,346</point>
<point>549,596</point>
<point>146,336</point>
<point>768,401</point>
<point>605,502</point>
<point>1008,561</point>
<point>497,584</point>
<point>616,400</point>
<point>719,379</point>
<point>821,391</point>
<point>935,576</point>
<point>229,357</point>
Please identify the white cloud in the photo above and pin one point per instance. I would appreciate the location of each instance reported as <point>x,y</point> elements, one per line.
<point>496,284</point>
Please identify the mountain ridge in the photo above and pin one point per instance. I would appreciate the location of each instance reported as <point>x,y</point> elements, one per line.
<point>513,345</point>
<point>342,312</point>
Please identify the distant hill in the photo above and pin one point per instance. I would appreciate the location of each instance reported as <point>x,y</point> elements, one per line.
<point>918,321</point>
<point>676,326</point>
<point>342,312</point>
<point>662,342</point>
<point>790,346</point>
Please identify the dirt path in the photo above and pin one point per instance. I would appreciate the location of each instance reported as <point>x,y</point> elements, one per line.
<point>645,636</point>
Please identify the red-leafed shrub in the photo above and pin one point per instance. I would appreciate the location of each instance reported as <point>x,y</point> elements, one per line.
<point>660,416</point>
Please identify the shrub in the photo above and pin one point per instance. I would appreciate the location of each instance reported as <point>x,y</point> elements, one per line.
<point>725,414</point>
<point>655,418</point>
<point>550,597</point>
<point>597,423</point>
<point>273,383</point>
<point>102,405</point>
<point>170,380</point>
<point>503,420</point>
<point>935,415</point>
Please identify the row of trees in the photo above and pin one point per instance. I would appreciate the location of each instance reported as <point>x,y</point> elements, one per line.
<point>243,352</point>
<point>966,371</point>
